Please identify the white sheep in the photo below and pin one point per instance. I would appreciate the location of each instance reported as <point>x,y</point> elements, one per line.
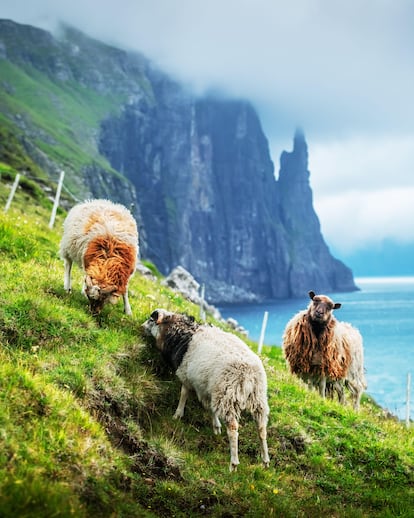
<point>223,371</point>
<point>102,238</point>
<point>323,351</point>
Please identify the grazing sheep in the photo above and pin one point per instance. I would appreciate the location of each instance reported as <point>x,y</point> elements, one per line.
<point>223,371</point>
<point>102,238</point>
<point>324,352</point>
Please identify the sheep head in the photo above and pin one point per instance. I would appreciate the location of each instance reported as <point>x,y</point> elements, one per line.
<point>163,323</point>
<point>99,295</point>
<point>321,308</point>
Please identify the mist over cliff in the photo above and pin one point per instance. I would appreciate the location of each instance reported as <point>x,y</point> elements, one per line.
<point>197,171</point>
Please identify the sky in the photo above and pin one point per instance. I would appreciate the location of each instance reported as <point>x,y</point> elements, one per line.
<point>342,71</point>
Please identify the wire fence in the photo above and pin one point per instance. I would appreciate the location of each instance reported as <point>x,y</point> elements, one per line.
<point>56,200</point>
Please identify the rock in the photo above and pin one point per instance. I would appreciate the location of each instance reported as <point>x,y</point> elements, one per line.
<point>182,281</point>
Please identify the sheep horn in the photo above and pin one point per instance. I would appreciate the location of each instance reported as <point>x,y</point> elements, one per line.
<point>108,290</point>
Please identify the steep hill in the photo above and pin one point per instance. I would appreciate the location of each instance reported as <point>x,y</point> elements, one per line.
<point>86,411</point>
<point>196,171</point>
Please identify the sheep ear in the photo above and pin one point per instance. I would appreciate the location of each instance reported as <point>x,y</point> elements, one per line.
<point>337,305</point>
<point>311,294</point>
<point>158,316</point>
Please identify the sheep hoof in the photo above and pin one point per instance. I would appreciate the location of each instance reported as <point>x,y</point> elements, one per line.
<point>233,467</point>
<point>177,416</point>
<point>217,430</point>
<point>266,464</point>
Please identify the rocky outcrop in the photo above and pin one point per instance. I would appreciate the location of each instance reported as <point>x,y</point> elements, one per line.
<point>184,283</point>
<point>310,262</point>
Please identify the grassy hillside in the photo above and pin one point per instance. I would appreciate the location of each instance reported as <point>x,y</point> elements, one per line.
<point>60,119</point>
<point>86,412</point>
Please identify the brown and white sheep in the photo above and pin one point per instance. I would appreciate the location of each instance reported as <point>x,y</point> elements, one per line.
<point>227,376</point>
<point>324,352</point>
<point>102,238</point>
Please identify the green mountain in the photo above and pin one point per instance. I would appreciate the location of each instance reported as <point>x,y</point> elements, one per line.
<point>196,172</point>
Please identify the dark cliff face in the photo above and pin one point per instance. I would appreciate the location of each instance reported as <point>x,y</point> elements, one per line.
<point>210,202</point>
<point>197,173</point>
<point>311,263</point>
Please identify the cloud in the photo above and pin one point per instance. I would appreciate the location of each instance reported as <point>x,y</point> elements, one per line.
<point>341,70</point>
<point>356,219</point>
<point>325,63</point>
<point>369,162</point>
<point>363,190</point>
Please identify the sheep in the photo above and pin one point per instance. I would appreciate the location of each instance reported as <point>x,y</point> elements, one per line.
<point>324,352</point>
<point>102,238</point>
<point>227,376</point>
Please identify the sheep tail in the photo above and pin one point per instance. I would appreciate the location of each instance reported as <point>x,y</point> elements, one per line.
<point>242,387</point>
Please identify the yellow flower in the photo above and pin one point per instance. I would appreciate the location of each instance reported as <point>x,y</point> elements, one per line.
<point>275,491</point>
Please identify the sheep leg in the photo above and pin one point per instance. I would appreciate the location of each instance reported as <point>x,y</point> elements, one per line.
<point>67,284</point>
<point>339,389</point>
<point>356,394</point>
<point>357,400</point>
<point>181,404</point>
<point>322,386</point>
<point>127,306</point>
<point>216,424</point>
<point>233,435</point>
<point>262,430</point>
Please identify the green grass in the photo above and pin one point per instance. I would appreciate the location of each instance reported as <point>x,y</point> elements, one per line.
<point>86,411</point>
<point>61,118</point>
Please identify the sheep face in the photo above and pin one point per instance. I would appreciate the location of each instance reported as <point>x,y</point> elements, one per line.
<point>161,322</point>
<point>98,295</point>
<point>321,307</point>
<point>152,326</point>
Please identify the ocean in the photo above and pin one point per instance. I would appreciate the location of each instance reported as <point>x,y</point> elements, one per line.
<point>383,311</point>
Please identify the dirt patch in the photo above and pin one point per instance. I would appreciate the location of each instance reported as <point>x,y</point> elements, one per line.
<point>147,461</point>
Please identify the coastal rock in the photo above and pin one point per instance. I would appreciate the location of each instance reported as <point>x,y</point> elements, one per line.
<point>182,281</point>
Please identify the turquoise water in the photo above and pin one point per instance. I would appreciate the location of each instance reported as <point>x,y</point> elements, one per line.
<point>383,311</point>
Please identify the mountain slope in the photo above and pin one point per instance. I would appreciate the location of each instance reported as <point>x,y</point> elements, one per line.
<point>196,172</point>
<point>86,412</point>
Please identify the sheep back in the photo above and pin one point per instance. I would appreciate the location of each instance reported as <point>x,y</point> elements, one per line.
<point>227,376</point>
<point>102,238</point>
<point>353,340</point>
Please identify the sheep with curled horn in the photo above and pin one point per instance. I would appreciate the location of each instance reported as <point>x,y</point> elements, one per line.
<point>324,352</point>
<point>227,376</point>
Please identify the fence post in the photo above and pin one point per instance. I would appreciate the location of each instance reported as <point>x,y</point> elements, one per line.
<point>262,333</point>
<point>57,198</point>
<point>407,415</point>
<point>202,296</point>
<point>12,192</point>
